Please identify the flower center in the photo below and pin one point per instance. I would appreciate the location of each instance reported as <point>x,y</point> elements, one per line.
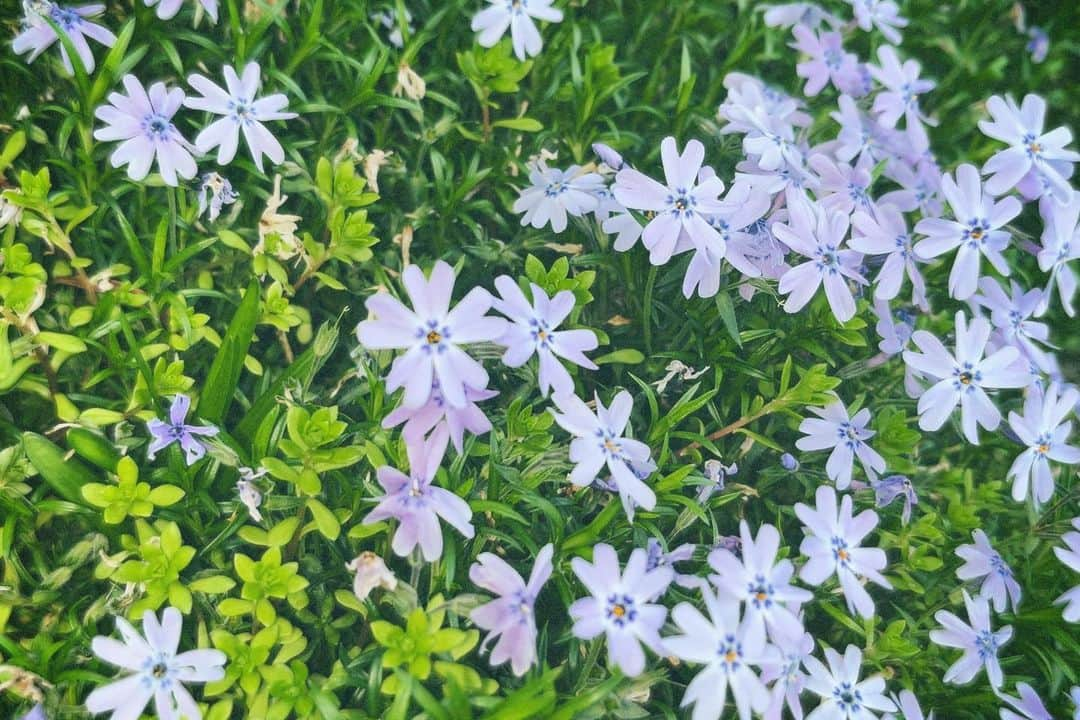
<point>434,338</point>
<point>556,188</point>
<point>159,670</point>
<point>620,610</point>
<point>157,127</point>
<point>730,651</point>
<point>848,698</point>
<point>986,644</point>
<point>840,551</point>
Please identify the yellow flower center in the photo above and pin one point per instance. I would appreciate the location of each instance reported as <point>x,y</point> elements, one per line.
<point>434,338</point>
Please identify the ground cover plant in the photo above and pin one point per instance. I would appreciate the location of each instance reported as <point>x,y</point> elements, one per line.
<point>533,359</point>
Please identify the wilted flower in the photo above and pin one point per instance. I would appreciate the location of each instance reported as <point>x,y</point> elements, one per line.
<point>982,561</point>
<point>889,488</point>
<point>177,430</point>
<point>214,192</point>
<point>555,193</point>
<point>280,227</point>
<point>158,672</point>
<point>677,368</point>
<point>250,497</point>
<point>715,473</point>
<point>1021,127</point>
<point>1070,557</point>
<point>372,162</point>
<point>144,123</point>
<point>510,617</point>
<point>621,605</point>
<point>241,112</point>
<point>371,572</point>
<point>409,82</point>
<point>38,35</point>
<point>843,697</point>
<point>847,436</point>
<point>979,642</point>
<point>1045,432</point>
<point>167,9</point>
<point>419,421</point>
<point>492,22</point>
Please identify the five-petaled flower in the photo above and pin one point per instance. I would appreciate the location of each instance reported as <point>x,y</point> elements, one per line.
<point>978,640</point>
<point>847,436</point>
<point>981,560</point>
<point>1045,431</point>
<point>843,696</point>
<point>177,430</point>
<point>492,22</point>
<point>556,193</point>
<point>38,35</point>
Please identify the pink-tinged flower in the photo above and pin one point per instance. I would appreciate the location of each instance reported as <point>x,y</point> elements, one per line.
<point>860,135</point>
<point>963,378</point>
<point>1060,246</point>
<point>242,112</point>
<point>783,672</point>
<point>417,504</point>
<point>974,232</point>
<point>769,140</point>
<point>1045,431</point>
<point>556,193</point>
<point>419,421</point>
<point>599,441</point>
<point>981,560</point>
<point>819,235</point>
<point>762,582</point>
<point>38,35</point>
<point>728,649</point>
<point>978,640</point>
<point>1070,557</point>
<point>847,436</point>
<point>621,605</point>
<point>431,334</point>
<point>1029,705</point>
<point>1010,315</point>
<point>882,14</point>
<point>167,9</point>
<point>681,207</point>
<point>832,547</point>
<point>828,61</point>
<point>532,330</point>
<point>509,618</point>
<point>1029,147</point>
<point>492,22</point>
<point>885,233</point>
<point>843,188</point>
<point>143,121</point>
<point>843,697</point>
<point>920,187</point>
<point>178,431</point>
<point>158,672</point>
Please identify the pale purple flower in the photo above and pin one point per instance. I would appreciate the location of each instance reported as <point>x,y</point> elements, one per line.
<point>1038,44</point>
<point>1011,314</point>
<point>419,421</point>
<point>1060,246</point>
<point>832,547</point>
<point>783,671</point>
<point>843,188</point>
<point>962,378</point>
<point>1070,557</point>
<point>167,9</point>
<point>656,557</point>
<point>819,235</point>
<point>532,329</point>
<point>158,672</point>
<point>555,193</point>
<point>744,207</point>
<point>728,649</point>
<point>599,441</point>
<point>417,504</point>
<point>608,156</point>
<point>770,141</point>
<point>978,640</point>
<point>920,187</point>
<point>517,15</point>
<point>894,329</point>
<point>843,696</point>
<point>625,227</point>
<point>176,430</point>
<point>981,560</point>
<point>860,135</point>
<point>1074,695</point>
<point>249,494</point>
<point>143,121</point>
<point>242,112</point>
<point>681,207</point>
<point>745,93</point>
<point>762,582</point>
<point>431,334</point>
<point>799,13</point>
<point>828,61</point>
<point>621,605</point>
<point>909,707</point>
<point>37,35</point>
<point>1029,705</point>
<point>510,618</point>
<point>788,462</point>
<point>847,436</point>
<point>882,14</point>
<point>902,87</point>
<point>36,713</point>
<point>885,233</point>
<point>1044,431</point>
<point>887,489</point>
<point>716,474</point>
<point>215,192</point>
<point>974,232</point>
<point>1021,128</point>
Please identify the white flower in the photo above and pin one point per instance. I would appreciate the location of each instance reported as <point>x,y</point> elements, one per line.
<point>167,9</point>
<point>883,14</point>
<point>1029,704</point>
<point>371,572</point>
<point>843,696</point>
<point>158,672</point>
<point>555,193</point>
<point>492,22</point>
<point>249,494</point>
<point>1070,556</point>
<point>38,36</point>
<point>982,561</point>
<point>978,641</point>
<point>1060,246</point>
<point>143,121</point>
<point>1045,431</point>
<point>885,233</point>
<point>832,546</point>
<point>727,648</point>
<point>242,111</point>
<point>833,428</point>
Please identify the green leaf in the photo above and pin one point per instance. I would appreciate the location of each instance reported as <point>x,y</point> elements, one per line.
<point>229,360</point>
<point>523,124</point>
<point>59,341</point>
<point>213,585</point>
<point>64,475</point>
<point>324,519</point>
<point>627,356</point>
<point>165,495</point>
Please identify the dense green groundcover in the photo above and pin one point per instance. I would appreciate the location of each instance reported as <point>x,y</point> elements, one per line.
<point>141,300</point>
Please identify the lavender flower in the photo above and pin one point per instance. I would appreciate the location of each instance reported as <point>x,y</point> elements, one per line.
<point>431,334</point>
<point>167,9</point>
<point>144,123</point>
<point>799,13</point>
<point>532,330</point>
<point>832,546</point>
<point>608,156</point>
<point>621,605</point>
<point>979,642</point>
<point>556,193</point>
<point>909,707</point>
<point>599,441</point>
<point>1060,246</point>
<point>974,232</point>
<point>215,191</point>
<point>982,561</point>
<point>843,697</point>
<point>1045,432</point>
<point>249,494</point>
<point>783,671</point>
<point>716,474</point>
<point>728,649</point>
<point>1029,705</point>
<point>886,233</point>
<point>882,14</point>
<point>241,111</point>
<point>900,98</point>
<point>962,379</point>
<point>656,557</point>
<point>833,428</point>
<point>1038,44</point>
<point>177,430</point>
<point>828,61</point>
<point>38,35</point>
<point>1070,557</point>
<point>843,188</point>
<point>889,488</point>
<point>819,236</point>
<point>788,462</point>
<point>492,22</point>
<point>1011,315</point>
<point>417,504</point>
<point>510,618</point>
<point>419,421</point>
